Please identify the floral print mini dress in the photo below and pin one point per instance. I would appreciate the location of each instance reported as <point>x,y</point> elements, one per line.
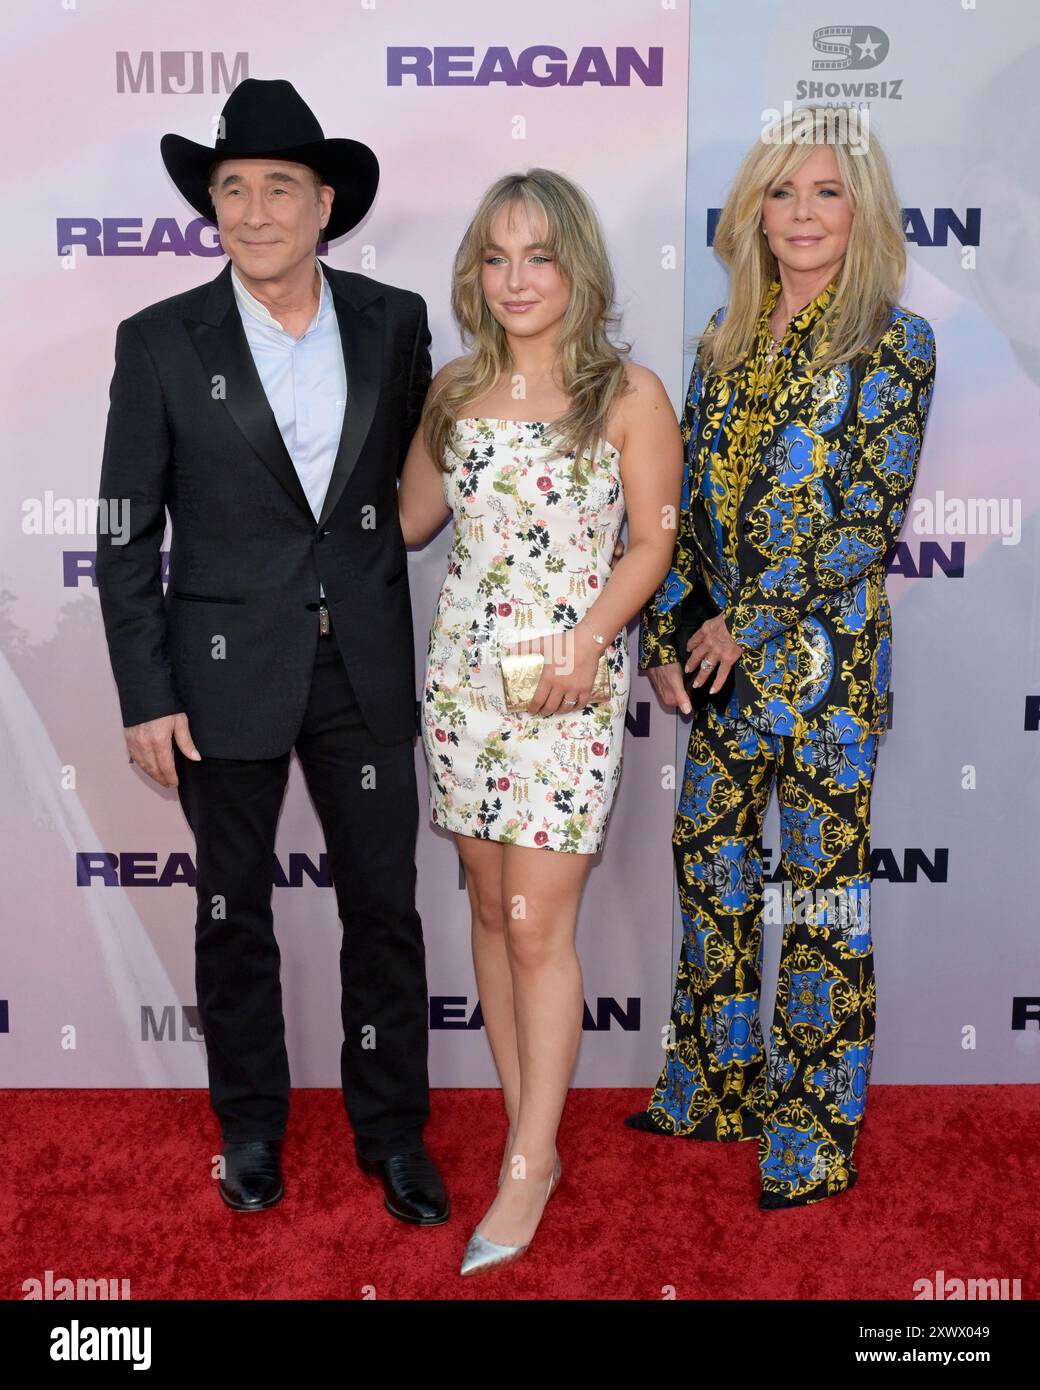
<point>531,551</point>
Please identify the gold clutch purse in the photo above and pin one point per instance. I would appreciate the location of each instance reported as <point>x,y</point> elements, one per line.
<point>521,672</point>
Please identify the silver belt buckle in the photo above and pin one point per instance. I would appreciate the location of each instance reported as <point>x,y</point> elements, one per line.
<point>324,626</point>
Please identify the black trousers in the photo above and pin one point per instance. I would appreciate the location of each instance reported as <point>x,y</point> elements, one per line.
<point>366,799</point>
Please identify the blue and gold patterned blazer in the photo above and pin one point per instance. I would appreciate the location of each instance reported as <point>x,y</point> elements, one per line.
<point>794,554</point>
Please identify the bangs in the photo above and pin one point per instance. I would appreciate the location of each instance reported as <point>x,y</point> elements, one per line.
<point>539,216</point>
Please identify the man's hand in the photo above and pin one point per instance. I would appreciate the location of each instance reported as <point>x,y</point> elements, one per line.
<point>619,550</point>
<point>668,683</point>
<point>712,647</point>
<point>151,748</point>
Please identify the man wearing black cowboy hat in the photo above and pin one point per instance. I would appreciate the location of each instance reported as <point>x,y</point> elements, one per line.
<point>269,411</point>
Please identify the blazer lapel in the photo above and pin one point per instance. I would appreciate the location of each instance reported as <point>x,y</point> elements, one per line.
<point>362,325</point>
<point>220,341</point>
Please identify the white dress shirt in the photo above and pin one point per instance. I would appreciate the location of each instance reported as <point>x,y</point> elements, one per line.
<point>305,381</point>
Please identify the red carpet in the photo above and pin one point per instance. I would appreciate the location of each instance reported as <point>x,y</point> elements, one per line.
<point>116,1184</point>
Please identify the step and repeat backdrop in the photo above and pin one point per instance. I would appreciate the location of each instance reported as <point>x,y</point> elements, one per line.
<point>649,105</point>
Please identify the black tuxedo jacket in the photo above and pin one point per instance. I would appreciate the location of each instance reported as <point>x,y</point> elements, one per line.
<point>190,431</point>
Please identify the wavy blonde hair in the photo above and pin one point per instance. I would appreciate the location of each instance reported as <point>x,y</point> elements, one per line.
<point>592,365</point>
<point>873,269</point>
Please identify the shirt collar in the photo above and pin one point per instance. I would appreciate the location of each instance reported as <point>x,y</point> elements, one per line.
<point>805,318</point>
<point>249,304</point>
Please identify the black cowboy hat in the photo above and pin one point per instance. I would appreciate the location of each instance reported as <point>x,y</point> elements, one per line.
<point>270,120</point>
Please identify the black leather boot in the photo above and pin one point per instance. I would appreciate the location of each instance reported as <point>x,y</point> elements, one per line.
<point>252,1174</point>
<point>412,1187</point>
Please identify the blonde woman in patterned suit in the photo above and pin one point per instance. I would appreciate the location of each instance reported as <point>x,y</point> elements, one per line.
<point>537,442</point>
<point>803,426</point>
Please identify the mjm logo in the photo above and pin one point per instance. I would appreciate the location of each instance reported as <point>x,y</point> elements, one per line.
<point>164,1028</point>
<point>181,71</point>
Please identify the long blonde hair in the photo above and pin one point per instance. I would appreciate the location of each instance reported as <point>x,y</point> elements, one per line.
<point>873,269</point>
<point>592,365</point>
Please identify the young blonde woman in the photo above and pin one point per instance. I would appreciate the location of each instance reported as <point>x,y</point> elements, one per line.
<point>803,426</point>
<point>537,442</point>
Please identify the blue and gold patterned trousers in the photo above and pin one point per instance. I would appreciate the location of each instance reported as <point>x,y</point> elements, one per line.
<point>804,1102</point>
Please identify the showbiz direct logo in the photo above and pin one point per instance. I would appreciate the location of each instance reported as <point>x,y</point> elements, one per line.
<point>849,48</point>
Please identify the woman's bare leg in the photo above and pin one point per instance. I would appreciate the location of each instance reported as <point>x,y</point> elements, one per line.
<point>482,861</point>
<point>541,893</point>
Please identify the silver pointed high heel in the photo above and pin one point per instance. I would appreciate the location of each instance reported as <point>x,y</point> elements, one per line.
<point>483,1254</point>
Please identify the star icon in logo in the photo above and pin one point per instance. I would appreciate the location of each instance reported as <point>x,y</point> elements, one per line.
<point>869,48</point>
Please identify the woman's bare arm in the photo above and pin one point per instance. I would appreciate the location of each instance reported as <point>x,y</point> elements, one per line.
<point>420,493</point>
<point>651,473</point>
